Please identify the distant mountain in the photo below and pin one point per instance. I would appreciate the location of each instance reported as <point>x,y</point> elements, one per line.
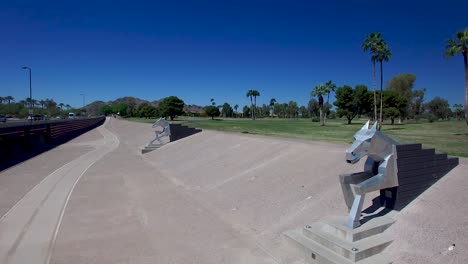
<point>94,107</point>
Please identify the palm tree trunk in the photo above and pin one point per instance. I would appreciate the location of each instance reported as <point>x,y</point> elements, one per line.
<point>381,94</point>
<point>321,116</point>
<point>465,59</point>
<point>255,105</point>
<point>251,107</point>
<point>374,83</point>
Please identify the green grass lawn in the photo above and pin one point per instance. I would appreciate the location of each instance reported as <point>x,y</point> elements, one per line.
<point>445,136</point>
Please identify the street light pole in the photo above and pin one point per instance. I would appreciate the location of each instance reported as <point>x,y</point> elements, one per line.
<point>31,106</point>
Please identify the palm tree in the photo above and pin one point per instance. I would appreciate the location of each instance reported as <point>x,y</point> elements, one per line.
<point>329,87</point>
<point>372,42</point>
<point>61,105</point>
<point>42,102</point>
<point>68,106</point>
<point>235,108</point>
<point>319,91</point>
<point>253,94</point>
<point>1,99</point>
<point>212,102</point>
<point>383,53</point>
<point>272,104</point>
<point>9,98</point>
<point>460,45</point>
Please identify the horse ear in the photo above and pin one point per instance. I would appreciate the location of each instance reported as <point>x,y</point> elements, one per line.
<point>374,127</point>
<point>366,125</point>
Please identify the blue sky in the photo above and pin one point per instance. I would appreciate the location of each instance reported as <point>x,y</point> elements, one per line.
<point>199,50</point>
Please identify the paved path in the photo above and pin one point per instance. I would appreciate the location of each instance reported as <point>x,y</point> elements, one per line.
<point>28,230</point>
<point>210,198</point>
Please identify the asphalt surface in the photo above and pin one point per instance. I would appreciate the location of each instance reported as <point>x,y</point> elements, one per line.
<point>209,198</point>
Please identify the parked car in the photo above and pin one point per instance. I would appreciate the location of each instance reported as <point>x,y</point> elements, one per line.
<point>3,118</point>
<point>36,117</point>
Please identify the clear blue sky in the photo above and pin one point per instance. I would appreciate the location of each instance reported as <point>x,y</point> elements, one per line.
<point>199,50</point>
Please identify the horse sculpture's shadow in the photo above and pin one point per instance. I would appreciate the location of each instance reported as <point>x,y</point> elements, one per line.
<point>374,210</point>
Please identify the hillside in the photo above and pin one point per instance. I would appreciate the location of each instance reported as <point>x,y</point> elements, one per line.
<point>93,108</point>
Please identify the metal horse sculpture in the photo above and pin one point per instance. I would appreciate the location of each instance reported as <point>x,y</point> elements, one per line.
<point>165,132</point>
<point>380,170</point>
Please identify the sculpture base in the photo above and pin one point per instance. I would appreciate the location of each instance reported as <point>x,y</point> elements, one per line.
<point>332,242</point>
<point>150,147</point>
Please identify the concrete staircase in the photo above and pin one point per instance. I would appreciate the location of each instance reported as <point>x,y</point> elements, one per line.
<point>179,131</point>
<point>418,169</point>
<point>331,242</point>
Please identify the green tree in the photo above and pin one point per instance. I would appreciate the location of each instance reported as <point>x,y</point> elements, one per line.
<point>120,109</point>
<point>105,110</point>
<point>171,106</point>
<point>272,104</point>
<point>459,45</point>
<point>226,110</point>
<point>292,109</point>
<point>416,102</point>
<point>392,113</point>
<point>319,91</point>
<point>9,98</point>
<point>303,112</point>
<point>235,108</point>
<point>313,108</point>
<point>352,102</point>
<point>373,42</point>
<point>212,111</point>
<point>403,84</point>
<point>392,102</point>
<point>253,94</point>
<point>382,54</point>
<point>438,107</point>
<point>245,111</point>
<point>458,109</point>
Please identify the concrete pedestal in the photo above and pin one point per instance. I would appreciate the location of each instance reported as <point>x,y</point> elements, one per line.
<point>332,242</point>
<point>150,147</point>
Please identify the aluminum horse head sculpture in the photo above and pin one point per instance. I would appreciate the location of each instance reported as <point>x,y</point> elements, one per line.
<point>380,170</point>
<point>165,132</point>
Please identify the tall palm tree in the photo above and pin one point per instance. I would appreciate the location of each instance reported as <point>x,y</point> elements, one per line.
<point>383,53</point>
<point>272,104</point>
<point>253,94</point>
<point>319,91</point>
<point>42,102</point>
<point>372,42</point>
<point>456,46</point>
<point>235,108</point>
<point>329,87</point>
<point>9,98</point>
<point>68,106</point>
<point>61,105</point>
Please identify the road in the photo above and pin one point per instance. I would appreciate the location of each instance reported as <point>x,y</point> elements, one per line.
<point>28,229</point>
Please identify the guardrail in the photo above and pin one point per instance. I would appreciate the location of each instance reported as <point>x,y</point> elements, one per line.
<point>22,140</point>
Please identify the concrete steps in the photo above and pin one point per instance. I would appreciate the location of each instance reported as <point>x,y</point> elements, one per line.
<point>330,241</point>
<point>418,170</point>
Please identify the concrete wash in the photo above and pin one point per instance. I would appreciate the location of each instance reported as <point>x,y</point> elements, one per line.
<point>228,198</point>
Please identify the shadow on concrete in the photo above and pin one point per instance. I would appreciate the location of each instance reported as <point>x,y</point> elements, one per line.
<point>375,210</point>
<point>15,150</point>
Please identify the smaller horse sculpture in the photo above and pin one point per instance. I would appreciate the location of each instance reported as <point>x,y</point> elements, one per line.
<point>165,132</point>
<point>380,169</point>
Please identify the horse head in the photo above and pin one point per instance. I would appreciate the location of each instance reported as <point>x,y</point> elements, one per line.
<point>361,144</point>
<point>158,122</point>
